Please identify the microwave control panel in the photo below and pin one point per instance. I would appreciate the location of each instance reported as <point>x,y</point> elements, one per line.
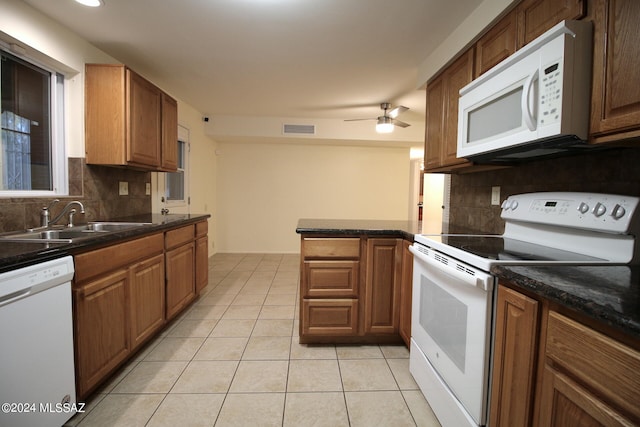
<point>550,93</point>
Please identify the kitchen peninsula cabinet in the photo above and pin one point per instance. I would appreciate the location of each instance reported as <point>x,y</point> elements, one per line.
<point>350,289</point>
<point>382,286</point>
<point>128,120</point>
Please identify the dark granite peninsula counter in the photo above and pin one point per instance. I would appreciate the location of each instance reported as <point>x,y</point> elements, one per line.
<point>18,254</point>
<point>369,227</point>
<point>610,295</point>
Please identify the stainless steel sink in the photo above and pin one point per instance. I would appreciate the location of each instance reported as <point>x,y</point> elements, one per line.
<point>68,235</point>
<point>113,226</point>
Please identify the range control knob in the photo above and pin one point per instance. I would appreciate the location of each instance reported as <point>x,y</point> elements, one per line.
<point>514,204</point>
<point>505,205</point>
<point>583,208</point>
<point>618,212</point>
<point>599,209</point>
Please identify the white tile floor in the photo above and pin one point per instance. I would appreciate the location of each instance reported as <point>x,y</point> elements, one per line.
<point>233,359</point>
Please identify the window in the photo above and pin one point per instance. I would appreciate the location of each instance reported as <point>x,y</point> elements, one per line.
<point>176,182</point>
<point>32,160</point>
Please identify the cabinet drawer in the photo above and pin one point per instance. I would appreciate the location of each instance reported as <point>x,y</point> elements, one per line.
<point>330,279</point>
<point>179,236</point>
<point>99,261</point>
<point>331,248</point>
<point>608,367</point>
<point>330,317</point>
<point>202,228</point>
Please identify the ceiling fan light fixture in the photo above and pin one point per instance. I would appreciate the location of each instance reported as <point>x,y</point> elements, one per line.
<point>384,125</point>
<point>91,3</point>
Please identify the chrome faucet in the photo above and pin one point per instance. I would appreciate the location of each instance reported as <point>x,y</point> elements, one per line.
<point>66,209</point>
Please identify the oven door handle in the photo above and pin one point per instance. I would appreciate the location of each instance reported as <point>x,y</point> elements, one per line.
<point>479,279</point>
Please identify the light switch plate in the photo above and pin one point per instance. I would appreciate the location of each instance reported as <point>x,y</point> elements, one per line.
<point>123,189</point>
<point>495,196</point>
<point>147,189</point>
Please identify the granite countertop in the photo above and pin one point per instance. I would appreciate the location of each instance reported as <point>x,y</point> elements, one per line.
<point>18,254</point>
<point>608,294</point>
<point>370,227</point>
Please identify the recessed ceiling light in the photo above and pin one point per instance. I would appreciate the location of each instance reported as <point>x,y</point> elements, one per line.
<point>91,3</point>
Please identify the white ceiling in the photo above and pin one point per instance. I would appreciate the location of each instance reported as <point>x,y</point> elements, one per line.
<point>306,59</point>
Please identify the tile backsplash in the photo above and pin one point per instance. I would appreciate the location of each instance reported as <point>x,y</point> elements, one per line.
<point>95,186</point>
<point>614,171</point>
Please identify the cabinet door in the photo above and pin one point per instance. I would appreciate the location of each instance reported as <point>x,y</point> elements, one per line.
<point>434,123</point>
<point>101,328</point>
<point>615,106</point>
<point>144,121</point>
<point>537,16</point>
<point>458,75</point>
<point>497,44</point>
<point>202,263</point>
<point>406,288</point>
<point>180,278</point>
<point>147,292</point>
<point>515,348</point>
<point>169,154</point>
<point>382,289</point>
<point>564,403</point>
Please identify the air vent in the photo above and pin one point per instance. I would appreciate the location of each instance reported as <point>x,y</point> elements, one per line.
<point>298,129</point>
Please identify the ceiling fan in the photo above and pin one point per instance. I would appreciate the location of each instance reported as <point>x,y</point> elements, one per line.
<point>387,120</point>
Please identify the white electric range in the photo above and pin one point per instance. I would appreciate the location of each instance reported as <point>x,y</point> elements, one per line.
<point>453,288</point>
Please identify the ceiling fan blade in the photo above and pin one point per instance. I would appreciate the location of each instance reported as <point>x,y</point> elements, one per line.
<point>400,124</point>
<point>397,111</point>
<point>357,120</point>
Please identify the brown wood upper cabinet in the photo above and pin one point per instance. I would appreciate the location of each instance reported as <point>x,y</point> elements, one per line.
<point>128,120</point>
<point>497,44</point>
<point>537,16</point>
<point>615,106</point>
<point>441,133</point>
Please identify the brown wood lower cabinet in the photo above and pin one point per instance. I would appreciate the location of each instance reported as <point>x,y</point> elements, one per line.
<point>101,328</point>
<point>563,373</point>
<point>121,298</point>
<point>350,289</point>
<point>147,299</point>
<point>515,347</point>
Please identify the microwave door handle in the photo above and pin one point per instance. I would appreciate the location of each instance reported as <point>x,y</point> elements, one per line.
<point>527,113</point>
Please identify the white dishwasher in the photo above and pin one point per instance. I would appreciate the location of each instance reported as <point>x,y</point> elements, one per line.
<point>37,380</point>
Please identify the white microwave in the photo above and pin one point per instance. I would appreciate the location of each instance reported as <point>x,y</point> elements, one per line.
<point>534,103</point>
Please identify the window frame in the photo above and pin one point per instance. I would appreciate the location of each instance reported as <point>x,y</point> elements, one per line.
<point>59,159</point>
<point>183,137</point>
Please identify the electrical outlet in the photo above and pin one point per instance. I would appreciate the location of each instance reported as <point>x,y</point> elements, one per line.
<point>495,196</point>
<point>123,188</point>
<point>147,189</point>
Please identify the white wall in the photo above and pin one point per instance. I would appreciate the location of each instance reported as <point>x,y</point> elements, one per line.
<point>263,189</point>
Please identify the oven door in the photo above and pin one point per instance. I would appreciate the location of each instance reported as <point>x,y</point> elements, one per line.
<point>451,327</point>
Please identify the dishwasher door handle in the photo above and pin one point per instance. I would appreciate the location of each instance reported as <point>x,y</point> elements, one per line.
<point>14,296</point>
